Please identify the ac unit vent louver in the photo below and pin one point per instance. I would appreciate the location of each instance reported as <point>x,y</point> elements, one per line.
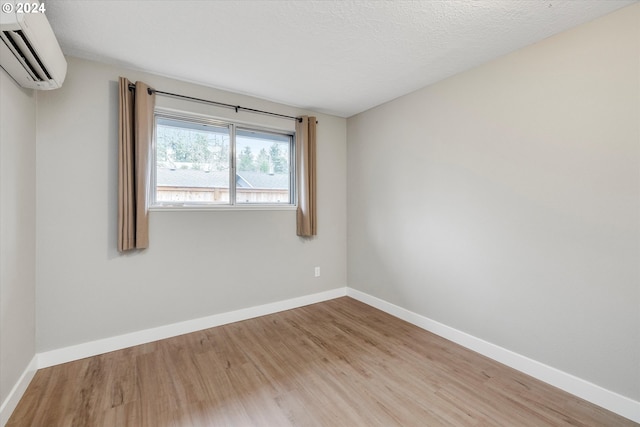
<point>29,51</point>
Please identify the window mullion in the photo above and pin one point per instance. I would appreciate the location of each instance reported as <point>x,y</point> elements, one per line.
<point>232,165</point>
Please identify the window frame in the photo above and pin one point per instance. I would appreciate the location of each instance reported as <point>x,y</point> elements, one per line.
<point>233,126</point>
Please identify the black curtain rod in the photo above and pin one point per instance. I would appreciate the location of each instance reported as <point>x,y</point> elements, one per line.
<point>219,104</point>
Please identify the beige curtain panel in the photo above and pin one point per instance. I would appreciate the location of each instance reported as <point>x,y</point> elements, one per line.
<point>134,164</point>
<point>306,176</point>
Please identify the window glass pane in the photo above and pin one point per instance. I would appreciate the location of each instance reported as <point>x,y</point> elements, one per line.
<point>263,170</point>
<point>192,162</point>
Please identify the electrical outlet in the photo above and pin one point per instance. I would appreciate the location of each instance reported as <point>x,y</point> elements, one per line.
<point>316,272</point>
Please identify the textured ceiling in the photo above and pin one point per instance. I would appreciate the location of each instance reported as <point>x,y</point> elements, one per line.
<point>336,57</point>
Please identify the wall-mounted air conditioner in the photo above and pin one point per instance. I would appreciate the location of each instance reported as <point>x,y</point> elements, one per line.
<point>29,51</point>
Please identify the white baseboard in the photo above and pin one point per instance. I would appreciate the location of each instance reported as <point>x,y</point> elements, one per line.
<point>92,348</point>
<point>17,391</point>
<point>607,399</point>
<point>590,392</point>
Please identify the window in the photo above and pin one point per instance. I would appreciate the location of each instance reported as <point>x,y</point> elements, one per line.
<point>202,162</point>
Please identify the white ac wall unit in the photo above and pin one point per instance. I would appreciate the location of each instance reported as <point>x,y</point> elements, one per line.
<point>29,51</point>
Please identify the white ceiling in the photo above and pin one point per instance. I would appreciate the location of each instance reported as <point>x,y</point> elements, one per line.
<point>336,57</point>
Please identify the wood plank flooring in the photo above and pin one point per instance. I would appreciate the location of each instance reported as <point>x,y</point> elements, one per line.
<point>336,363</point>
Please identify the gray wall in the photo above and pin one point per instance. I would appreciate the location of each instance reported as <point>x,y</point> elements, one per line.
<point>17,231</point>
<point>505,202</point>
<point>198,263</point>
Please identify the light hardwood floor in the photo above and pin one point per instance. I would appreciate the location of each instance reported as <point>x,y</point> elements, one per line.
<point>336,363</point>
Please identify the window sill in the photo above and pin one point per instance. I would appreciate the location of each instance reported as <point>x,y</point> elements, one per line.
<point>182,208</point>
